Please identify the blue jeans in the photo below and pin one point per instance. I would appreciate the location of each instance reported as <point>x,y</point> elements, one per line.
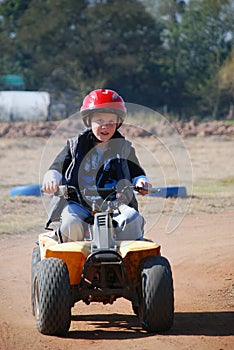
<point>73,227</point>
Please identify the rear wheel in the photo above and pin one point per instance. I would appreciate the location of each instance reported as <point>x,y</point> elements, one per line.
<point>157,304</point>
<point>52,297</point>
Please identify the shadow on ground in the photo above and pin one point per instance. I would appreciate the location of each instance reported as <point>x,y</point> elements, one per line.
<point>122,326</point>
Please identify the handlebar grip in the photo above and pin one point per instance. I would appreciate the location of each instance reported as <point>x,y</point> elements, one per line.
<point>148,189</point>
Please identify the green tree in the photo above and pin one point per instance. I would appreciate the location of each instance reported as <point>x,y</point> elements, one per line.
<point>10,12</point>
<point>83,45</point>
<point>227,83</point>
<point>168,52</point>
<point>209,42</point>
<point>171,13</point>
<point>197,38</point>
<point>125,48</point>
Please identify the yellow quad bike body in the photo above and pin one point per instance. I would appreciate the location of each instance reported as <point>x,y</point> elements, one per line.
<point>100,269</point>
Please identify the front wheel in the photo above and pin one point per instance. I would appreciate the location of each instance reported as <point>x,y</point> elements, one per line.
<point>52,297</point>
<point>157,304</point>
<point>36,258</point>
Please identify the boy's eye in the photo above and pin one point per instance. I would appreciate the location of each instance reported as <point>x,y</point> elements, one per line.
<point>103,121</point>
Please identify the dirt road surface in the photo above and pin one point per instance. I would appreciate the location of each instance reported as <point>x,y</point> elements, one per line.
<point>201,253</point>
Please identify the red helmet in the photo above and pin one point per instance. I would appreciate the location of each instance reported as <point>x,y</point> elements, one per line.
<point>103,100</point>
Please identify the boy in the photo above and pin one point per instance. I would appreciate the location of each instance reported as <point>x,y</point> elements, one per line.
<point>97,158</point>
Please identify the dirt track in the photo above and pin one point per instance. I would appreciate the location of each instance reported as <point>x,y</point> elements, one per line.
<point>201,253</point>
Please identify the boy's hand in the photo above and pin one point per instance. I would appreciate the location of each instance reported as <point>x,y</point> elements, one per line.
<point>50,187</point>
<point>51,181</point>
<point>141,183</point>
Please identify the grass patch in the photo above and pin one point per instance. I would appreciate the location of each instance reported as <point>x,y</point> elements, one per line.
<point>229,122</point>
<point>228,181</point>
<point>212,186</point>
<point>21,214</point>
<point>144,118</point>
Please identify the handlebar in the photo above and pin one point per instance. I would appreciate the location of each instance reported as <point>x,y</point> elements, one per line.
<point>63,190</point>
<point>100,191</point>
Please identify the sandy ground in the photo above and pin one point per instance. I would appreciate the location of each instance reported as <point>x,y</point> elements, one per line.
<point>200,250</point>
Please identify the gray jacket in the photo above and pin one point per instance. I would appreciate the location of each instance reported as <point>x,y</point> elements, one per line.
<point>123,162</point>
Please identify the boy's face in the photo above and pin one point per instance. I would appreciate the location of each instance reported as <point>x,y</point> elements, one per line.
<point>104,125</point>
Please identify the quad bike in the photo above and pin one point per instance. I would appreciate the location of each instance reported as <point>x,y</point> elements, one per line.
<point>100,269</point>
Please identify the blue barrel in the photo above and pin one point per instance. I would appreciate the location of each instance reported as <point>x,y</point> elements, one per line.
<point>169,191</point>
<point>26,190</point>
